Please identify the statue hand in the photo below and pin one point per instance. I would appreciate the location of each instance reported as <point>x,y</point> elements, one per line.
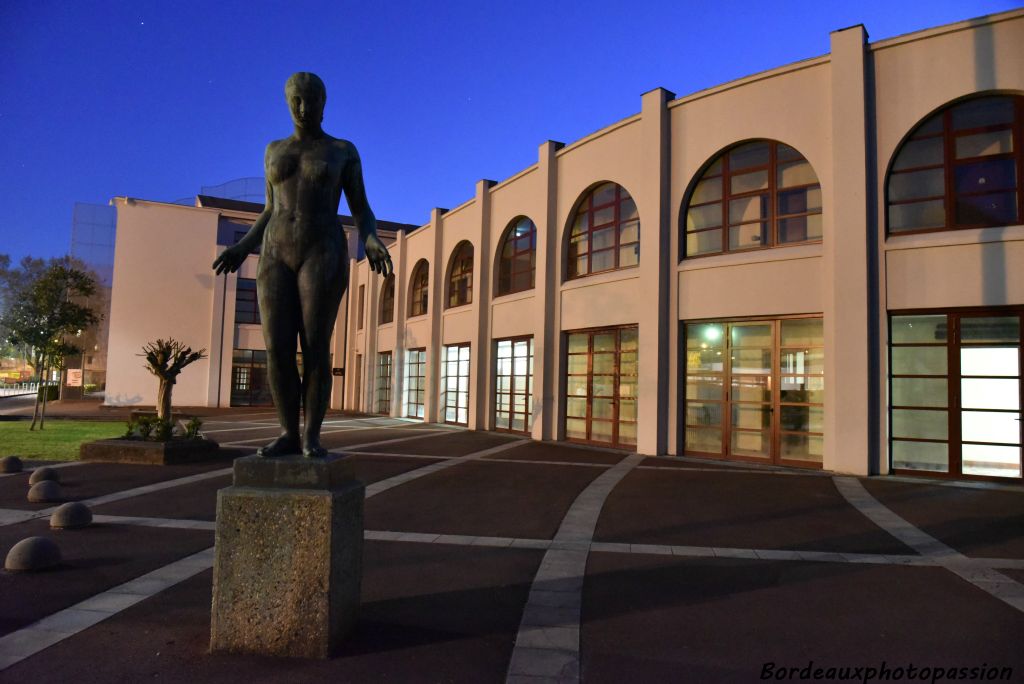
<point>230,260</point>
<point>378,256</point>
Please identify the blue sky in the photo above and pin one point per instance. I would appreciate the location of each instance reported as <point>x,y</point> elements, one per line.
<point>154,99</point>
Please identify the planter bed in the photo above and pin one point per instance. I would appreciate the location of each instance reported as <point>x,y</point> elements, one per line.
<point>171,452</point>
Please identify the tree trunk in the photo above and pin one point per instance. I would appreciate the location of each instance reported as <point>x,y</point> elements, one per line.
<point>46,394</point>
<point>39,385</point>
<point>163,399</point>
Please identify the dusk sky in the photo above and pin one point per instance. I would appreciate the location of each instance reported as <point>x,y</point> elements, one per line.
<point>155,99</point>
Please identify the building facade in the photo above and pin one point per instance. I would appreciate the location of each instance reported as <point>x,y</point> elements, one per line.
<point>811,266</point>
<point>164,286</point>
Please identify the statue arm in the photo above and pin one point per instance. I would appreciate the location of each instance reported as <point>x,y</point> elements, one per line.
<point>232,258</point>
<point>362,215</point>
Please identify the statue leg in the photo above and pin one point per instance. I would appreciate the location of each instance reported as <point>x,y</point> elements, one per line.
<point>278,296</point>
<point>322,281</point>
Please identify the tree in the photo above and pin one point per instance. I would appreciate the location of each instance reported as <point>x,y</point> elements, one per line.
<point>41,312</point>
<point>165,359</point>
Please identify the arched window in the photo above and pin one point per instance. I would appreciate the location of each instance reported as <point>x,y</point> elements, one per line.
<point>460,276</point>
<point>517,257</point>
<point>419,289</point>
<point>960,168</point>
<point>387,300</point>
<point>755,195</point>
<point>605,232</point>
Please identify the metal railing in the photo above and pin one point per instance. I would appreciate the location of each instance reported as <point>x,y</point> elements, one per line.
<point>19,388</point>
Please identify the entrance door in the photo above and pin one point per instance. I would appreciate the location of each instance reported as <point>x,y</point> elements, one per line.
<point>601,375</point>
<point>754,391</point>
<point>955,393</point>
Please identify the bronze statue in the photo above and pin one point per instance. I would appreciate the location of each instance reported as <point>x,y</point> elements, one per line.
<point>303,268</point>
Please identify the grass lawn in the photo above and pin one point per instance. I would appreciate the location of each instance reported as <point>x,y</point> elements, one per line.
<point>59,441</point>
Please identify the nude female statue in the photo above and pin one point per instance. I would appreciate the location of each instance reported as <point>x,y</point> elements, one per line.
<point>303,267</point>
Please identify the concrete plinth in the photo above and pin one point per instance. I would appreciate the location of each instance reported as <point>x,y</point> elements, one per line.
<point>289,550</point>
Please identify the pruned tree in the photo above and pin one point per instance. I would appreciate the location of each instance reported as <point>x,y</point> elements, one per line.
<point>41,311</point>
<point>165,359</point>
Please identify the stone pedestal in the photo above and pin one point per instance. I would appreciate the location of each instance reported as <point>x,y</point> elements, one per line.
<point>288,566</point>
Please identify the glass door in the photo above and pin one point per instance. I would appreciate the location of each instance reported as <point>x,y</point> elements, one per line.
<point>990,395</point>
<point>601,386</point>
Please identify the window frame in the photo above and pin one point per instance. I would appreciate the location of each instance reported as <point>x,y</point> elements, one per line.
<point>772,218</point>
<point>247,305</point>
<point>586,205</point>
<point>382,398</point>
<point>460,270</point>
<point>421,392</point>
<point>419,289</point>
<point>508,262</point>
<point>950,162</point>
<point>387,300</point>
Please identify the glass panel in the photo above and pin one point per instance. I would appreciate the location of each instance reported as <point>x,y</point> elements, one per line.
<point>501,421</point>
<point>576,407</point>
<point>919,360</point>
<point>604,363</point>
<point>802,389</point>
<point>990,329</point>
<point>983,393</point>
<point>802,418</point>
<point>994,461</point>
<point>796,173</point>
<point>601,431</point>
<point>929,127</point>
<point>919,392</point>
<point>704,335</point>
<point>703,243</point>
<point>627,432</point>
<point>703,387</point>
<point>749,236</point>
<point>750,154</point>
<point>629,255</point>
<point>998,209</point>
<point>985,111</point>
<point>628,339</point>
<point>627,409</point>
<point>990,426</point>
<point>752,416</point>
<point>920,424</point>
<point>629,232</point>
<point>575,428</point>
<point>916,216</point>
<point>750,443</point>
<point>802,331</point>
<point>751,334</point>
<point>602,261</point>
<point>603,216</point>
<point>751,388</point>
<point>799,201</point>
<point>932,328</point>
<point>786,153</point>
<point>989,361</point>
<point>604,386</point>
<point>800,361</point>
<point>748,209</point>
<point>708,216</point>
<point>715,168</point>
<point>602,408</point>
<point>627,210</point>
<point>994,174</point>
<point>602,239</point>
<point>707,191</point>
<point>930,456</point>
<point>917,153</point>
<point>982,144</point>
<point>704,440</point>
<point>576,385</point>
<point>796,229</point>
<point>705,360</point>
<point>751,361</point>
<point>748,182</point>
<point>604,342</point>
<point>802,448</point>
<point>917,184</point>
<point>603,194</point>
<point>579,342</point>
<point>627,387</point>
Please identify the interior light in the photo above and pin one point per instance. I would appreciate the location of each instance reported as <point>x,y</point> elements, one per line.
<point>711,333</point>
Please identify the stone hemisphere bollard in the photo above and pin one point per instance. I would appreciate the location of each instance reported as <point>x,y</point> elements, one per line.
<point>11,464</point>
<point>46,491</point>
<point>34,553</point>
<point>71,516</point>
<point>44,473</point>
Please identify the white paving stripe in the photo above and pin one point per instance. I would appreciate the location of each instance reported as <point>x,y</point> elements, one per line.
<point>547,646</point>
<point>995,583</point>
<point>28,641</point>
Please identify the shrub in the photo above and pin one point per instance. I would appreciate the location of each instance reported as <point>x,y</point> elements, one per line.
<point>163,430</point>
<point>192,427</point>
<point>52,393</point>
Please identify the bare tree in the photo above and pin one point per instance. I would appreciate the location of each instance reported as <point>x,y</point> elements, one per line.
<point>165,359</point>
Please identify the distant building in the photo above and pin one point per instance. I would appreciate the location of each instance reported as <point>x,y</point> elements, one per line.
<point>812,266</point>
<point>163,286</point>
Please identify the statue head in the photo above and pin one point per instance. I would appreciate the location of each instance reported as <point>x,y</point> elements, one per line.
<point>306,96</point>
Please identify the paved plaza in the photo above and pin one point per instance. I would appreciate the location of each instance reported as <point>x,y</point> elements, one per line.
<point>492,558</point>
